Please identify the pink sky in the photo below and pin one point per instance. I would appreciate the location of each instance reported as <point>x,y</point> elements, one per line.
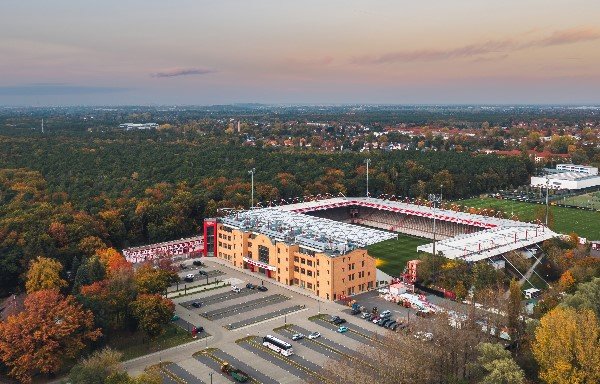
<point>205,52</point>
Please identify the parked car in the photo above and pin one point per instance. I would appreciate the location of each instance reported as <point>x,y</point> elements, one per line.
<point>339,321</point>
<point>189,277</point>
<point>196,304</point>
<point>395,326</point>
<point>182,266</point>
<point>175,318</point>
<point>235,289</point>
<point>390,324</point>
<point>375,319</point>
<point>342,329</point>
<point>364,315</point>
<point>386,313</point>
<point>355,312</point>
<point>314,335</point>
<point>250,286</point>
<point>382,320</point>
<point>197,263</point>
<point>199,329</point>
<point>333,318</point>
<point>262,288</point>
<point>203,273</point>
<point>297,336</point>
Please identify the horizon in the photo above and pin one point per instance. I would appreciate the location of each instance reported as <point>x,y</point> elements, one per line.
<point>314,53</point>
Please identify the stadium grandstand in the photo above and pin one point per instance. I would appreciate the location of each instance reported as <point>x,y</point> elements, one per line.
<point>461,235</point>
<point>189,247</point>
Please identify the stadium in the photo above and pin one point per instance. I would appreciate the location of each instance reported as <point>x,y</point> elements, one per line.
<point>335,232</point>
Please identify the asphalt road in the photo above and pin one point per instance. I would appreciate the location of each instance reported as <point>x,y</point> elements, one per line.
<point>274,360</point>
<point>212,363</point>
<point>218,298</point>
<point>183,374</point>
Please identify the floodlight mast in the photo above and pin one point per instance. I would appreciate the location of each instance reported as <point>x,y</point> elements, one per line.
<point>368,161</point>
<point>435,199</point>
<point>547,188</point>
<point>251,172</point>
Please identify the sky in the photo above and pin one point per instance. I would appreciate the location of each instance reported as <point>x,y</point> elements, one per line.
<point>204,52</point>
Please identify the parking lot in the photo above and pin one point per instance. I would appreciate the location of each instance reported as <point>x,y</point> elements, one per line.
<point>235,323</point>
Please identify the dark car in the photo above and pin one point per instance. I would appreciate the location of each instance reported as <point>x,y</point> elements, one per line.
<point>196,304</point>
<point>182,266</point>
<point>262,288</point>
<point>202,273</point>
<point>355,312</point>
<point>199,329</point>
<point>381,321</point>
<point>339,321</point>
<point>197,262</point>
<point>390,324</point>
<point>250,286</point>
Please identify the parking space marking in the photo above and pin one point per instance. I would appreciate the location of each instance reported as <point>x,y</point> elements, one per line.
<point>176,374</point>
<point>310,344</point>
<point>355,332</point>
<point>210,362</point>
<point>247,306</point>
<point>218,298</point>
<point>323,340</point>
<point>264,316</point>
<point>187,326</point>
<point>255,374</point>
<point>294,366</point>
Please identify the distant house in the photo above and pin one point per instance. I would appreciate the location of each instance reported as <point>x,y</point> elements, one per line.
<point>134,126</point>
<point>595,250</point>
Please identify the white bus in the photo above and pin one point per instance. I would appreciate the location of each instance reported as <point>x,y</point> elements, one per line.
<point>278,345</point>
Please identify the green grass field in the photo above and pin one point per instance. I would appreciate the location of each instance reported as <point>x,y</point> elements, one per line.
<point>566,220</point>
<point>587,200</point>
<point>393,254</point>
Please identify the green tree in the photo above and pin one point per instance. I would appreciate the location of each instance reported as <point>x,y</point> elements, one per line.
<point>151,280</point>
<point>587,296</point>
<point>497,365</point>
<point>97,368</point>
<point>153,312</point>
<point>514,312</point>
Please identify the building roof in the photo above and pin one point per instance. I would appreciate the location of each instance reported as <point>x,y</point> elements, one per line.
<point>318,234</point>
<point>290,224</point>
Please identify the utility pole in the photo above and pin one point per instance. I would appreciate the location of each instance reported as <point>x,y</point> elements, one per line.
<point>547,188</point>
<point>42,125</point>
<point>368,161</point>
<point>251,172</point>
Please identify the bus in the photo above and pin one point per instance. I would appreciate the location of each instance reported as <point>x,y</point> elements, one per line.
<point>278,345</point>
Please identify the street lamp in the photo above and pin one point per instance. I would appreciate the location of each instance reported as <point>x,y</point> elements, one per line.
<point>547,188</point>
<point>368,161</point>
<point>251,172</point>
<point>210,377</point>
<point>435,199</point>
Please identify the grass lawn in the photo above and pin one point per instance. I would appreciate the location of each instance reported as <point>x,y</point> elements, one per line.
<point>566,220</point>
<point>393,254</point>
<point>588,200</point>
<point>137,344</point>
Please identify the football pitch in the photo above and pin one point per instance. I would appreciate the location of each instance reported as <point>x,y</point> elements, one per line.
<point>566,220</point>
<point>393,254</point>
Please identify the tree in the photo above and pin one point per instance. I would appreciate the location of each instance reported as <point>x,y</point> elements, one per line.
<point>566,282</point>
<point>51,328</point>
<point>90,271</point>
<point>516,323</point>
<point>460,291</point>
<point>97,368</point>
<point>587,296</point>
<point>540,215</point>
<point>497,365</point>
<point>153,312</point>
<point>151,280</point>
<point>44,273</point>
<point>567,346</point>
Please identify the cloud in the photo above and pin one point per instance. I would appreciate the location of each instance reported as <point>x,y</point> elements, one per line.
<point>174,72</point>
<point>480,50</point>
<point>42,89</point>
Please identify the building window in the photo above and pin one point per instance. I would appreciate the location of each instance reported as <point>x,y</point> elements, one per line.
<point>317,272</point>
<point>296,269</point>
<point>278,261</point>
<point>296,259</point>
<point>309,285</point>
<point>309,263</point>
<point>303,260</point>
<point>363,263</point>
<point>303,271</point>
<point>309,273</point>
<point>263,254</point>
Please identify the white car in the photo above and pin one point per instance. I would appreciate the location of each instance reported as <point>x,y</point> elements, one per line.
<point>235,289</point>
<point>314,335</point>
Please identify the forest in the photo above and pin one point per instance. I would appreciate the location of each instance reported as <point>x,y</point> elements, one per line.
<point>67,194</point>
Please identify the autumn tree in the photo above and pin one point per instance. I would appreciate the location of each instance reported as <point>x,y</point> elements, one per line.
<point>151,280</point>
<point>52,328</point>
<point>44,273</point>
<point>514,312</point>
<point>98,367</point>
<point>153,312</point>
<point>567,346</point>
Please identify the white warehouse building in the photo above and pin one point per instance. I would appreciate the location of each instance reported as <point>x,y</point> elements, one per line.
<point>577,168</point>
<point>566,180</point>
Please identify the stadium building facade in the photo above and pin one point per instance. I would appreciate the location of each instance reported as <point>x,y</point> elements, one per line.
<point>321,245</point>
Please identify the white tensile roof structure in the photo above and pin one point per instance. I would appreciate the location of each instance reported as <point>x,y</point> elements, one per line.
<point>289,223</point>
<point>316,233</point>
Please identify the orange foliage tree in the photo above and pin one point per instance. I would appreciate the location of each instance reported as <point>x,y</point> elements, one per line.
<point>51,328</point>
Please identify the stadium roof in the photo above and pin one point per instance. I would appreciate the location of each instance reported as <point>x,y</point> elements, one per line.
<point>289,223</point>
<point>323,235</point>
